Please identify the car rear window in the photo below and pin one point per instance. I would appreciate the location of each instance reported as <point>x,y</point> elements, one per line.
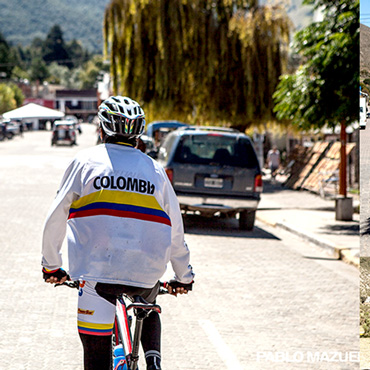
<point>216,149</point>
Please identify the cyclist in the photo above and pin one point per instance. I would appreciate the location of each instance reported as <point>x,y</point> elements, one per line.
<point>123,225</point>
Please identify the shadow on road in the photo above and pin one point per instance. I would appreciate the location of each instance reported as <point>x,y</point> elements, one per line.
<point>341,229</point>
<point>321,258</point>
<point>270,187</point>
<point>323,209</point>
<point>228,227</point>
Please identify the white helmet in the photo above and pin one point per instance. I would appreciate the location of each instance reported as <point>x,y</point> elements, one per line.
<point>121,116</point>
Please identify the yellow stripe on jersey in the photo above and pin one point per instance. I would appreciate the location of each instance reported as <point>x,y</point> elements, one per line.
<point>118,197</point>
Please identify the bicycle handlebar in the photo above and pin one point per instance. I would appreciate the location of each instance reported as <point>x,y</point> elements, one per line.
<point>162,290</point>
<point>70,284</point>
<point>76,284</point>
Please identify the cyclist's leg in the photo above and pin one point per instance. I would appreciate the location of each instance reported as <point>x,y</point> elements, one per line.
<point>96,355</point>
<point>151,339</point>
<point>95,326</point>
<point>151,334</point>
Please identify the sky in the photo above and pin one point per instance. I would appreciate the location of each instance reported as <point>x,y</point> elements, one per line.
<point>365,12</point>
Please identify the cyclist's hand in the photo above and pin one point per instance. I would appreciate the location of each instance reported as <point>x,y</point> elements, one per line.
<point>174,287</point>
<point>58,276</point>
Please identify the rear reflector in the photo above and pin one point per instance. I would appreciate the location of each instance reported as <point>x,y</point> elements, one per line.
<point>169,173</point>
<point>258,185</point>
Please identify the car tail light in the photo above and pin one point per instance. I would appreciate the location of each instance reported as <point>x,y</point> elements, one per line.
<point>258,185</point>
<point>169,172</point>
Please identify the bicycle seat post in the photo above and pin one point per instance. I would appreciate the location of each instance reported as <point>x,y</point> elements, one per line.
<point>137,337</point>
<point>141,310</point>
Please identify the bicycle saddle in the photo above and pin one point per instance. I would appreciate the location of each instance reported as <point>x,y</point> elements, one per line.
<point>140,302</point>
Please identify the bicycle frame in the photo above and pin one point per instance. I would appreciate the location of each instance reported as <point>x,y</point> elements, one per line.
<point>122,329</point>
<point>122,324</point>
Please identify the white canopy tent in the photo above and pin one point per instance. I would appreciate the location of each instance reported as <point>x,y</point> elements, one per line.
<point>33,113</point>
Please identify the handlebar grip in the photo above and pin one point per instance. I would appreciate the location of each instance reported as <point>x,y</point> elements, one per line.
<point>176,284</point>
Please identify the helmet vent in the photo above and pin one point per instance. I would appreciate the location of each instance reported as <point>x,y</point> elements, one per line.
<point>135,110</point>
<point>115,99</point>
<point>121,109</point>
<point>126,101</point>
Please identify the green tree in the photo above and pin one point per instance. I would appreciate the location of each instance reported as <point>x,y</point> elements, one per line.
<point>54,48</point>
<point>62,75</point>
<point>39,70</point>
<point>58,74</point>
<point>91,71</point>
<point>19,74</point>
<point>11,97</point>
<point>325,88</point>
<point>17,94</point>
<point>6,58</point>
<point>77,54</point>
<point>208,60</point>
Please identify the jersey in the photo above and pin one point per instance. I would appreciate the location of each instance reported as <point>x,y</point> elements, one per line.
<point>121,217</point>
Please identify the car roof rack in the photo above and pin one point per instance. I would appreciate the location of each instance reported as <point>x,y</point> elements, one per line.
<point>210,128</point>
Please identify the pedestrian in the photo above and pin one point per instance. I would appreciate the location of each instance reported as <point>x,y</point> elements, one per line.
<point>124,225</point>
<point>21,129</point>
<point>273,160</point>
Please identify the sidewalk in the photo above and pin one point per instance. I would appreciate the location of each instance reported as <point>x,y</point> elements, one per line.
<point>312,218</point>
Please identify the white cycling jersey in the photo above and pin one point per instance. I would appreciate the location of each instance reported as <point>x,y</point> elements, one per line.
<point>122,219</point>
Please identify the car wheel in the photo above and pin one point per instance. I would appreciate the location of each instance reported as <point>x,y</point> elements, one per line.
<point>246,220</point>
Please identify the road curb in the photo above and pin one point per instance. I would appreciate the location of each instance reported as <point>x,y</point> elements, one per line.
<point>329,248</point>
<point>349,258</point>
<point>265,221</point>
<point>334,251</point>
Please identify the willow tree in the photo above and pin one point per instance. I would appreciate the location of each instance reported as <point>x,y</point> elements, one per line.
<point>203,61</point>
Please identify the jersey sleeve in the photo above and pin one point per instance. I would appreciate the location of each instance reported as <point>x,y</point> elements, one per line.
<point>180,254</point>
<point>56,221</point>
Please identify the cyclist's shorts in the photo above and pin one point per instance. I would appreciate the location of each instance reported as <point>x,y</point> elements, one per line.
<point>97,308</point>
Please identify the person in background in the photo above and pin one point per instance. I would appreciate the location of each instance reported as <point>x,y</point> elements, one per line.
<point>273,161</point>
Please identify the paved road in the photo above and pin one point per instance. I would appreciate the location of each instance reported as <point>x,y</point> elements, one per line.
<point>365,191</point>
<point>262,300</point>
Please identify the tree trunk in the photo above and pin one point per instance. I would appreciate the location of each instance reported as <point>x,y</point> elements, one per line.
<point>343,162</point>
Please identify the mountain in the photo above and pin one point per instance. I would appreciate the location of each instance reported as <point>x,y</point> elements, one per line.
<point>23,20</point>
<point>364,50</point>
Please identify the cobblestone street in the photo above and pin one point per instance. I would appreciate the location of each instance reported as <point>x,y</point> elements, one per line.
<point>262,300</point>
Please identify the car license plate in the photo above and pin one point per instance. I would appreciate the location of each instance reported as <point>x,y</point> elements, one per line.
<point>213,183</point>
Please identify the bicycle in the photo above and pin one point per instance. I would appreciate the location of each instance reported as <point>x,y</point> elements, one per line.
<point>125,348</point>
